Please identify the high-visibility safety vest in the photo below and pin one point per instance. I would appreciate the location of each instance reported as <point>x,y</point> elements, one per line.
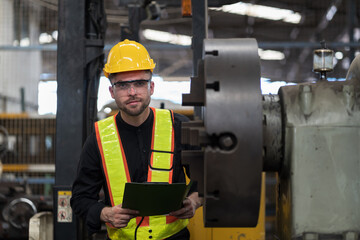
<point>160,170</point>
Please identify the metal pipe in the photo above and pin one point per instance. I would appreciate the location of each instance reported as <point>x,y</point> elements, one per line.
<point>167,46</point>
<point>199,31</point>
<point>22,97</point>
<point>351,14</point>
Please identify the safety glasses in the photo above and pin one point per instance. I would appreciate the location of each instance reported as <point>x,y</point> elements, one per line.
<point>135,84</point>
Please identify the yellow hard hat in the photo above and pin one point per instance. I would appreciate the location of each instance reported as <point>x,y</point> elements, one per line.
<point>128,56</point>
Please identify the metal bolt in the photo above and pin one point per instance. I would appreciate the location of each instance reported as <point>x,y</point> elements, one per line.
<point>306,88</point>
<point>306,99</point>
<point>227,142</point>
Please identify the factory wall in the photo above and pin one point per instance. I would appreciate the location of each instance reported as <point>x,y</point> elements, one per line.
<point>19,26</point>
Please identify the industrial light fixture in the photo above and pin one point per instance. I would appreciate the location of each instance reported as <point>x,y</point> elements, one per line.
<point>339,55</point>
<point>184,40</point>
<point>161,36</point>
<point>55,34</point>
<point>260,11</point>
<point>331,12</point>
<point>45,38</point>
<point>270,54</point>
<point>25,42</point>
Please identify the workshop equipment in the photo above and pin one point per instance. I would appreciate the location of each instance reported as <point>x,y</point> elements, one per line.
<point>311,138</point>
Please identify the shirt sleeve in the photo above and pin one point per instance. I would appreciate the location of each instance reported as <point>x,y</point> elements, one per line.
<point>85,200</point>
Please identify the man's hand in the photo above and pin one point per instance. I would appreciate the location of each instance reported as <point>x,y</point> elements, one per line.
<point>117,216</point>
<point>191,203</point>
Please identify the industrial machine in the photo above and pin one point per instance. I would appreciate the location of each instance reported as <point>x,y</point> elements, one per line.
<point>17,207</point>
<point>309,133</point>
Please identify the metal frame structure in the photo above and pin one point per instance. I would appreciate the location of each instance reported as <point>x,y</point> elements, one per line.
<point>82,26</point>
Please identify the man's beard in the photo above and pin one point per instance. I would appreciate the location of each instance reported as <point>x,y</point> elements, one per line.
<point>134,111</point>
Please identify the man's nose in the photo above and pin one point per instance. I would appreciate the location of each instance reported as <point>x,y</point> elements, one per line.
<point>132,90</point>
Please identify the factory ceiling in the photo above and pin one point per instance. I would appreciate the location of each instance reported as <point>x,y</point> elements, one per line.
<point>331,21</point>
<point>293,38</point>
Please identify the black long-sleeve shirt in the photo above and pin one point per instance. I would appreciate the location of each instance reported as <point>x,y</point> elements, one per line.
<point>136,141</point>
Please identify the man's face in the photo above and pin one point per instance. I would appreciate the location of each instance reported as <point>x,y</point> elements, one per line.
<point>132,97</point>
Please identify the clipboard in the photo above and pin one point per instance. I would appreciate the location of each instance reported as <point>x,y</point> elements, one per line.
<point>154,198</point>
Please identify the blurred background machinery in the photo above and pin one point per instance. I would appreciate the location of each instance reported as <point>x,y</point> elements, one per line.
<point>27,173</point>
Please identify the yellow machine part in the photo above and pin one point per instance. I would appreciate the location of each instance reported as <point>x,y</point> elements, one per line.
<point>198,232</point>
<point>13,115</point>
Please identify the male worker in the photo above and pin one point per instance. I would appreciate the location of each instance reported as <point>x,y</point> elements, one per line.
<point>139,144</point>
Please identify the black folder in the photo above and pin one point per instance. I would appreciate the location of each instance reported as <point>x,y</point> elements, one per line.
<point>154,198</point>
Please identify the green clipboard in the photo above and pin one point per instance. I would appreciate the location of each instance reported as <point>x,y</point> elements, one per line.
<point>154,198</point>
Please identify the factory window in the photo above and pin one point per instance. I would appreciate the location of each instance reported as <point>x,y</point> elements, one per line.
<point>48,143</point>
<point>47,97</point>
<point>11,143</point>
<point>34,145</point>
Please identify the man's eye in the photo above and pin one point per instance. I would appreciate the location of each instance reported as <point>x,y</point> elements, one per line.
<point>140,83</point>
<point>120,85</point>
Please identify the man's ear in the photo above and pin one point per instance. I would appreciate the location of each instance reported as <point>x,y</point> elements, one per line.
<point>111,92</point>
<point>152,85</point>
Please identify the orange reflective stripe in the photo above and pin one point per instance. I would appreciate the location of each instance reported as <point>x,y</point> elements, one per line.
<point>145,222</point>
<point>172,150</point>
<point>153,130</point>
<point>122,152</point>
<point>171,219</point>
